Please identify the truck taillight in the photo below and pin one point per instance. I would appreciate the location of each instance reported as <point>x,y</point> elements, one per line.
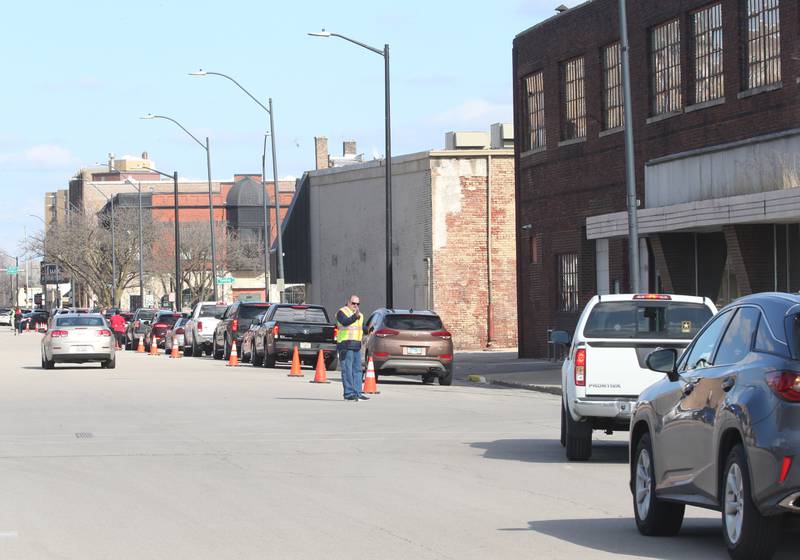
<point>199,325</point>
<point>580,367</point>
<point>276,331</point>
<point>235,325</point>
<point>335,333</point>
<point>786,384</point>
<point>179,330</point>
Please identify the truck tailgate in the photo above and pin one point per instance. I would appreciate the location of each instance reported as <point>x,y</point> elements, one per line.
<point>305,332</point>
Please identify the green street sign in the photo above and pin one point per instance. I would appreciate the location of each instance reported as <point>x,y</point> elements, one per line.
<point>12,270</point>
<point>225,280</point>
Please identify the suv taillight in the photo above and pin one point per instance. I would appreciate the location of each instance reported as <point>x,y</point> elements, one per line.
<point>104,332</point>
<point>235,325</point>
<point>580,367</point>
<point>179,330</point>
<point>276,331</point>
<point>786,384</point>
<point>442,334</point>
<point>383,333</point>
<point>160,326</point>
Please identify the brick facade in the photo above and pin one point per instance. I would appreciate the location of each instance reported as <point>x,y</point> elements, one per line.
<point>559,186</point>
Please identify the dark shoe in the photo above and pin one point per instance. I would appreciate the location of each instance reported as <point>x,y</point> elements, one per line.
<point>351,398</point>
<point>362,398</point>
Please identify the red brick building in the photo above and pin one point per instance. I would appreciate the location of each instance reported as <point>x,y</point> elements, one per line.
<point>716,124</point>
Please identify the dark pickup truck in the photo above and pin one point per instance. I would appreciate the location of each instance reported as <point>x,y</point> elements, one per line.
<point>285,326</point>
<point>232,326</point>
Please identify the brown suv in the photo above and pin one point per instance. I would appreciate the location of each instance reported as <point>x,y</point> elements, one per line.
<point>409,342</point>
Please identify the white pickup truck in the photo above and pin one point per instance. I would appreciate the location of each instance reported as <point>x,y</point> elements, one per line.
<point>199,328</point>
<point>605,371</point>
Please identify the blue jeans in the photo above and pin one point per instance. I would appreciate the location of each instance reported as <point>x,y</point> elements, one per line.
<point>350,364</point>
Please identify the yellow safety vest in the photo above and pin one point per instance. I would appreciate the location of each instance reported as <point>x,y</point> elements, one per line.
<point>353,331</point>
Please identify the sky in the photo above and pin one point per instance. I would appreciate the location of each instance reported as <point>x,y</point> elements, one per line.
<point>79,75</point>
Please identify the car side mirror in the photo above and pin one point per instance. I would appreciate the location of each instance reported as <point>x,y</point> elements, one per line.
<point>664,360</point>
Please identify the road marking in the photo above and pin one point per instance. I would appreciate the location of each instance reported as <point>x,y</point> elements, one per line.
<point>8,534</point>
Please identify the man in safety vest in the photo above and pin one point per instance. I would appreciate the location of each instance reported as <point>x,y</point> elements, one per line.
<point>350,324</point>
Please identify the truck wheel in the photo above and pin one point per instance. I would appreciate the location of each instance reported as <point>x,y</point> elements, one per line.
<point>269,360</point>
<point>747,533</point>
<point>654,517</point>
<point>188,349</point>
<point>332,364</point>
<point>563,425</point>
<point>216,353</point>
<point>226,355</point>
<point>255,358</point>
<point>578,439</point>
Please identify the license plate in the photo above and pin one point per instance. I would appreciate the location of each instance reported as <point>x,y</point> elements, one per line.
<point>414,351</point>
<point>305,346</point>
<point>81,348</point>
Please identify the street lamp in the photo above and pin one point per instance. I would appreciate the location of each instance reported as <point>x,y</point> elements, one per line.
<point>110,200</point>
<point>207,148</point>
<point>280,278</point>
<point>178,279</point>
<point>388,131</point>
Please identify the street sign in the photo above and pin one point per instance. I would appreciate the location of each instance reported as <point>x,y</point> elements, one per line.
<point>225,280</point>
<point>12,270</point>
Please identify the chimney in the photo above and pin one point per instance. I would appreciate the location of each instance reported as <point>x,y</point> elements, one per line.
<point>321,152</point>
<point>110,162</point>
<point>349,148</point>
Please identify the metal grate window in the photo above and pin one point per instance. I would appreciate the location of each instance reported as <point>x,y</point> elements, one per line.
<point>613,113</point>
<point>666,67</point>
<point>534,90</point>
<point>574,125</point>
<point>707,60</point>
<point>763,43</point>
<point>568,282</point>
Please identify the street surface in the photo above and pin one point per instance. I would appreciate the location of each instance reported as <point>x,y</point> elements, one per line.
<point>190,459</point>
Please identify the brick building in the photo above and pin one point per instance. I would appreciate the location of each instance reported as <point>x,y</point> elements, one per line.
<point>453,235</point>
<point>716,124</point>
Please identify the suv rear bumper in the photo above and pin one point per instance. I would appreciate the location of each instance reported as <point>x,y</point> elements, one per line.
<point>619,408</point>
<point>415,366</point>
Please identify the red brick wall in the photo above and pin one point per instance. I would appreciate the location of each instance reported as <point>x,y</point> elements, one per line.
<point>460,279</point>
<point>558,188</point>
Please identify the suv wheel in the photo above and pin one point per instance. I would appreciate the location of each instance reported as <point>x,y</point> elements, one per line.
<point>269,359</point>
<point>563,425</point>
<point>217,353</point>
<point>654,517</point>
<point>256,359</point>
<point>188,349</point>
<point>578,439</point>
<point>447,377</point>
<point>747,533</point>
<point>428,379</point>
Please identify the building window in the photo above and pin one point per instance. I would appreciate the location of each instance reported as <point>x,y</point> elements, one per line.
<point>707,59</point>
<point>763,46</point>
<point>613,114</point>
<point>568,282</point>
<point>574,101</point>
<point>534,120</point>
<point>666,67</point>
<point>536,248</point>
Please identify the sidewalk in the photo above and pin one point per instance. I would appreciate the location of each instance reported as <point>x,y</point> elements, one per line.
<point>502,367</point>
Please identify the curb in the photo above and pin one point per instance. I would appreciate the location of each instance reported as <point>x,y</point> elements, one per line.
<point>548,389</point>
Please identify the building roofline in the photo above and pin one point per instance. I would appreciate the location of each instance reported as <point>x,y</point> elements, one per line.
<point>552,18</point>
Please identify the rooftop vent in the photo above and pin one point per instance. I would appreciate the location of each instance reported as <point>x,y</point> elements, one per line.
<point>561,9</point>
<point>466,140</point>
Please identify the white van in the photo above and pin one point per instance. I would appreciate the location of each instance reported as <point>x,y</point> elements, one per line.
<point>605,369</point>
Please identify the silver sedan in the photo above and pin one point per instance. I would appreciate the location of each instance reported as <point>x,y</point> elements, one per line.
<point>78,338</point>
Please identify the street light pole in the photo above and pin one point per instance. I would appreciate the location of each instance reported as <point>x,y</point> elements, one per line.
<point>388,166</point>
<point>178,276</point>
<point>211,217</point>
<point>280,278</point>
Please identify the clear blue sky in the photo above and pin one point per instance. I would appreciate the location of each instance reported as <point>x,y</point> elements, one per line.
<point>78,75</point>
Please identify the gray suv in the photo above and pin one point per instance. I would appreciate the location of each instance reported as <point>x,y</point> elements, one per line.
<point>722,429</point>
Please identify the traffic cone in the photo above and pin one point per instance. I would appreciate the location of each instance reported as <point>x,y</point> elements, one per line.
<point>322,373</point>
<point>140,347</point>
<point>233,361</point>
<point>295,371</point>
<point>153,346</point>
<point>28,326</point>
<point>175,352</point>
<point>370,385</point>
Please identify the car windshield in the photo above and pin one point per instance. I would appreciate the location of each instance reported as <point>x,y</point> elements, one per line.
<point>413,322</point>
<point>301,314</point>
<point>215,311</point>
<point>80,322</point>
<point>252,311</point>
<point>632,319</point>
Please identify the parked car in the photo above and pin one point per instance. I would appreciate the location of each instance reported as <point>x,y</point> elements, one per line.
<point>32,319</point>
<point>232,325</point>
<point>6,316</point>
<point>604,371</point>
<point>286,326</point>
<point>409,342</point>
<point>162,322</point>
<point>199,329</point>
<point>136,328</point>
<point>720,431</point>
<point>78,338</point>
<point>248,338</point>
<point>176,333</point>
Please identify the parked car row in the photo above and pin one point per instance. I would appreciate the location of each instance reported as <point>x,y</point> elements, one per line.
<point>712,403</point>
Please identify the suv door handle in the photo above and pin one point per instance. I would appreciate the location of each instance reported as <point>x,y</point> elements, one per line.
<point>728,384</point>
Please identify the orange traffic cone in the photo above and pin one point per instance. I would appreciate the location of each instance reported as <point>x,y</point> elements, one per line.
<point>370,384</point>
<point>140,347</point>
<point>175,352</point>
<point>28,326</point>
<point>295,371</point>
<point>153,346</point>
<point>322,373</point>
<point>233,361</point>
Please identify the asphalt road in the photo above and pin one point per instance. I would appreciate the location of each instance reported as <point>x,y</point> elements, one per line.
<point>189,459</point>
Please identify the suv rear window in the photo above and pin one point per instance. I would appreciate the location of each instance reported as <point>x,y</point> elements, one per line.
<point>631,319</point>
<point>168,319</point>
<point>413,322</point>
<point>146,315</point>
<point>215,311</point>
<point>301,315</point>
<point>80,322</point>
